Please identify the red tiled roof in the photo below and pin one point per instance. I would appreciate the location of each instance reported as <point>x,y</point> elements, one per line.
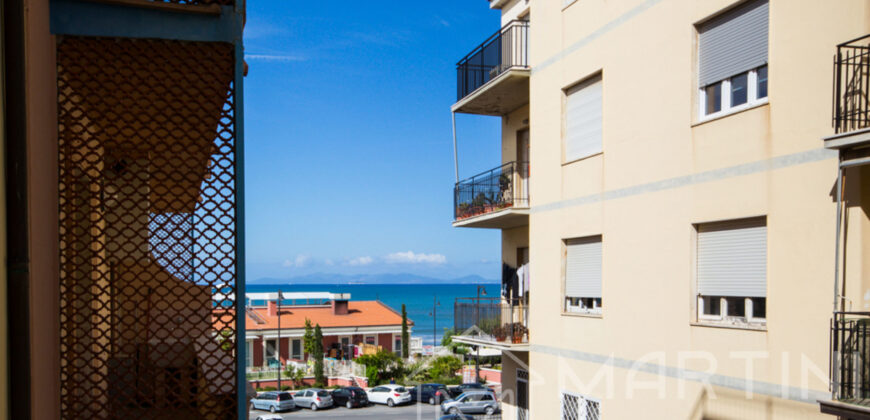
<point>360,314</point>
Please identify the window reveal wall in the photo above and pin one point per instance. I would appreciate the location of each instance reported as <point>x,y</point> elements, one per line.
<point>147,227</point>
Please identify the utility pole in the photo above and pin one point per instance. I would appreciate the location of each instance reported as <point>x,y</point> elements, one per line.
<point>279,340</point>
<point>434,321</point>
<point>477,320</point>
<point>434,314</point>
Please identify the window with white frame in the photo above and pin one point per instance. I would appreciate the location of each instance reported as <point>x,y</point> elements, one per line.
<point>371,339</point>
<point>397,344</point>
<point>578,407</point>
<point>271,352</point>
<point>732,271</point>
<point>583,275</point>
<point>249,353</point>
<point>296,349</point>
<point>732,60</point>
<point>583,119</point>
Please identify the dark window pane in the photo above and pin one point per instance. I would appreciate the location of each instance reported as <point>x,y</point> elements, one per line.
<point>711,305</point>
<point>762,82</point>
<point>739,84</point>
<point>759,307</point>
<point>736,306</point>
<point>714,99</point>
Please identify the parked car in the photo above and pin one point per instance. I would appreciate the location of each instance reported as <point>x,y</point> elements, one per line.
<point>468,386</point>
<point>273,401</point>
<point>390,395</point>
<point>270,417</point>
<point>313,398</point>
<point>456,417</point>
<point>472,402</point>
<point>431,393</point>
<point>351,396</point>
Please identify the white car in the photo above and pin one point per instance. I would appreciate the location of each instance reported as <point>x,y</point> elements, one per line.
<point>270,417</point>
<point>390,395</point>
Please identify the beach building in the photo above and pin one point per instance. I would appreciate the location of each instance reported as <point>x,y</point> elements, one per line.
<point>275,331</point>
<point>696,249</point>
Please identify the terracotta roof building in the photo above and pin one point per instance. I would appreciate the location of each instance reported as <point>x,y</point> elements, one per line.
<point>349,328</point>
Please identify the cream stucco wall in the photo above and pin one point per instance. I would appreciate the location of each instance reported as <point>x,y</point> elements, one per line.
<point>660,173</point>
<point>514,9</point>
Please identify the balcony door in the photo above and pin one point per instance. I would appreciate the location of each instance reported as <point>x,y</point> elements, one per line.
<point>523,166</point>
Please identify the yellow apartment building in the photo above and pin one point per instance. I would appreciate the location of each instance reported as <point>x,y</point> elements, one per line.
<point>685,233</point>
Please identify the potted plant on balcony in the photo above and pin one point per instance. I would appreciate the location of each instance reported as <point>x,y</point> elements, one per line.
<point>500,333</point>
<point>462,210</point>
<point>518,331</point>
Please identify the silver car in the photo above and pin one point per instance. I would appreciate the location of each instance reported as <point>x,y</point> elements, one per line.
<point>313,398</point>
<point>471,402</point>
<point>273,401</point>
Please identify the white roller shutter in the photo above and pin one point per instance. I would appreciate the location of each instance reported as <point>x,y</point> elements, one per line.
<point>583,268</point>
<point>583,120</point>
<point>732,258</point>
<point>733,42</point>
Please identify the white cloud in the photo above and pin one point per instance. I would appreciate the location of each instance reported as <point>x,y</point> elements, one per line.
<point>301,260</point>
<point>361,261</point>
<point>274,57</point>
<point>410,257</point>
<point>328,262</point>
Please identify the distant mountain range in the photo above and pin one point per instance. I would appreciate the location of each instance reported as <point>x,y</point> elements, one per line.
<point>402,278</point>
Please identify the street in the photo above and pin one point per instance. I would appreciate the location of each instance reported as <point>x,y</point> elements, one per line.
<point>374,412</point>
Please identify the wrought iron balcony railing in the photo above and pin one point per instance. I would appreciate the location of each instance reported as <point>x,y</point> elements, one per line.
<point>496,189</point>
<point>852,85</point>
<point>504,50</point>
<point>850,357</point>
<point>492,319</point>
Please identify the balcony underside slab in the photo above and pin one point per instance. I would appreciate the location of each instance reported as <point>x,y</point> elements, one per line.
<point>853,410</point>
<point>848,140</point>
<point>490,344</point>
<point>501,219</point>
<point>500,96</point>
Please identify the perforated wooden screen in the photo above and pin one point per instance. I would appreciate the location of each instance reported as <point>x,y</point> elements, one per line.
<point>147,229</point>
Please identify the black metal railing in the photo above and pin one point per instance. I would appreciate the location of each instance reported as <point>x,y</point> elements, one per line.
<point>852,85</point>
<point>850,356</point>
<point>496,189</point>
<point>494,319</point>
<point>506,49</point>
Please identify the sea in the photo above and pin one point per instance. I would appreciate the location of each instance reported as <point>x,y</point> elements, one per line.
<point>419,300</point>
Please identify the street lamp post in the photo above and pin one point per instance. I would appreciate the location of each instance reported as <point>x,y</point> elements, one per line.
<point>477,319</point>
<point>434,313</point>
<point>279,339</point>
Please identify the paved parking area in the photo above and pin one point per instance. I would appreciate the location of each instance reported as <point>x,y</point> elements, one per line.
<point>374,412</point>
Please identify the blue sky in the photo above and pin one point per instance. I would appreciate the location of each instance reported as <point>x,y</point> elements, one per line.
<point>349,156</point>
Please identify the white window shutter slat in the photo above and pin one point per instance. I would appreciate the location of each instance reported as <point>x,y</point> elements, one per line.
<point>583,268</point>
<point>732,258</point>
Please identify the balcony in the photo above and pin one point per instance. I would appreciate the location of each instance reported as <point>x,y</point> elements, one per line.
<point>851,112</point>
<point>850,366</point>
<point>493,79</point>
<point>496,199</point>
<point>496,323</point>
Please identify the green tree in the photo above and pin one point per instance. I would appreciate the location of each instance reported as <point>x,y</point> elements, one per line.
<point>405,336</point>
<point>447,341</point>
<point>319,379</point>
<point>308,338</point>
<point>444,367</point>
<point>381,366</point>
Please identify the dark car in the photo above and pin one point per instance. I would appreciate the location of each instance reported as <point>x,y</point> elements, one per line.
<point>470,386</point>
<point>350,397</point>
<point>430,393</point>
